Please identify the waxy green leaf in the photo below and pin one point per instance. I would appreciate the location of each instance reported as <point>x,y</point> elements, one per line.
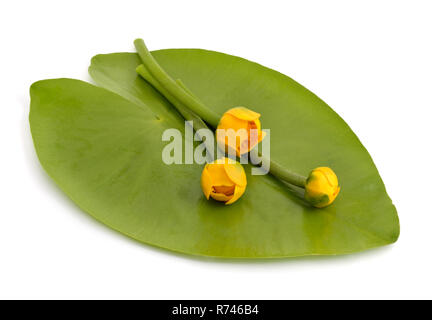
<point>104,150</point>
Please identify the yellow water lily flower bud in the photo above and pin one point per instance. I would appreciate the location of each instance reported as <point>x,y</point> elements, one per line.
<point>322,187</point>
<point>241,138</point>
<point>223,180</point>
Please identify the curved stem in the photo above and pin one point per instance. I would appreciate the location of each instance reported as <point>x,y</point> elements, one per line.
<point>291,177</point>
<point>277,170</point>
<point>191,108</point>
<point>172,87</point>
<point>185,112</point>
<point>188,115</point>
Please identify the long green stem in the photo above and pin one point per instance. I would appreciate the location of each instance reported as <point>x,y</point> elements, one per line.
<point>188,115</point>
<point>184,111</point>
<point>172,87</point>
<point>282,173</point>
<point>191,108</point>
<point>277,170</point>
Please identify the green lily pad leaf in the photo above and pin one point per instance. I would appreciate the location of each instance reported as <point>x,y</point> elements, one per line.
<point>103,148</point>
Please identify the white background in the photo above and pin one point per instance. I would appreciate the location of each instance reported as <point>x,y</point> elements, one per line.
<point>370,60</point>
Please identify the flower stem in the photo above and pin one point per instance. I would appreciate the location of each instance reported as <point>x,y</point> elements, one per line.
<point>283,174</point>
<point>189,106</point>
<point>277,170</point>
<point>188,115</point>
<point>173,87</point>
<point>184,111</point>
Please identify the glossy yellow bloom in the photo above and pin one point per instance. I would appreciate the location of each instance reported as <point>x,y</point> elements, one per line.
<point>241,138</point>
<point>223,180</point>
<point>322,187</point>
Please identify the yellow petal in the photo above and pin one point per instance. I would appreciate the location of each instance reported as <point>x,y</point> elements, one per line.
<point>223,193</point>
<point>218,175</point>
<point>236,173</point>
<point>329,175</point>
<point>226,190</point>
<point>322,187</point>
<point>221,197</point>
<point>223,180</point>
<point>258,124</point>
<point>229,121</point>
<point>243,113</point>
<point>238,123</point>
<point>238,192</point>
